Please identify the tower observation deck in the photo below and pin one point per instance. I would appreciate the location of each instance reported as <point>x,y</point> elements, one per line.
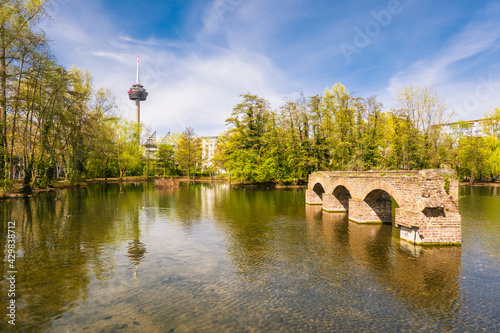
<point>138,94</point>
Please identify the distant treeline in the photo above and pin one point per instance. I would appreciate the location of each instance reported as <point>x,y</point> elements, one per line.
<point>339,131</point>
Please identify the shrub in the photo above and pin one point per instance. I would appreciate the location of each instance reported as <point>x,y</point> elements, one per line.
<point>447,184</point>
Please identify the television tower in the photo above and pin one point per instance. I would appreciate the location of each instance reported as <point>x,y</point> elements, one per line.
<point>137,93</point>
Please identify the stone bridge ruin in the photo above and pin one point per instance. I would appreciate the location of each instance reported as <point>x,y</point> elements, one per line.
<point>422,204</point>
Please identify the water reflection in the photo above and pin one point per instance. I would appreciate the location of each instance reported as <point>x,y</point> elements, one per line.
<point>212,258</point>
<point>66,239</point>
<point>425,278</point>
<point>335,227</point>
<point>136,249</point>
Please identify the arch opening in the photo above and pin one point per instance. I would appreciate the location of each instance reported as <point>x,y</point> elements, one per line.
<point>382,204</point>
<point>434,212</point>
<point>319,190</point>
<point>342,194</point>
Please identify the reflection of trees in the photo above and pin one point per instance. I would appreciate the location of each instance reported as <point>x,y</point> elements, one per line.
<point>257,243</point>
<point>250,219</point>
<point>335,228</point>
<point>63,243</point>
<point>136,251</point>
<point>329,228</point>
<point>249,236</point>
<point>313,213</point>
<point>187,205</point>
<point>483,200</point>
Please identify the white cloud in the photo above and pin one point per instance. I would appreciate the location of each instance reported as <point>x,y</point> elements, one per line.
<point>445,71</point>
<point>476,38</point>
<point>201,91</point>
<point>189,84</point>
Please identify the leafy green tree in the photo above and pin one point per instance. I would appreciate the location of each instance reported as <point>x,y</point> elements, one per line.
<point>37,104</point>
<point>74,116</point>
<point>319,150</point>
<point>288,155</point>
<point>397,141</point>
<point>188,151</point>
<point>472,154</point>
<point>243,165</point>
<point>492,129</point>
<point>338,121</point>
<point>494,163</point>
<point>372,138</point>
<point>248,121</point>
<point>424,111</point>
<point>165,159</point>
<point>129,152</point>
<point>242,147</point>
<point>492,123</point>
<point>100,140</point>
<point>19,41</point>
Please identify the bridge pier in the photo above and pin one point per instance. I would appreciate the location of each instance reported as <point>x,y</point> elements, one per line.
<point>312,198</point>
<point>332,204</point>
<point>361,211</point>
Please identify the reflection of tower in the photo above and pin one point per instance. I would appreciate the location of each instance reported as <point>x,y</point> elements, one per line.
<point>136,249</point>
<point>136,252</point>
<point>137,93</point>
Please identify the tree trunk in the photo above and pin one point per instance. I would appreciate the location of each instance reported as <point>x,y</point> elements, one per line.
<point>3,107</point>
<point>26,189</point>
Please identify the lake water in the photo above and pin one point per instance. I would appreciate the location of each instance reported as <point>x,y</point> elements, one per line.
<point>210,258</point>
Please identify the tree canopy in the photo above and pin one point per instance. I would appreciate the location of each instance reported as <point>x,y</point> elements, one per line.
<point>339,131</point>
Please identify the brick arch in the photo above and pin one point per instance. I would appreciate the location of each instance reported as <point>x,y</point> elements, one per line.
<point>380,204</point>
<point>342,194</point>
<point>384,186</point>
<point>339,187</point>
<point>319,189</point>
<point>342,182</point>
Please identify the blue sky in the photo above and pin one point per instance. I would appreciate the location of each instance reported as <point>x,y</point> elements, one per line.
<point>197,56</point>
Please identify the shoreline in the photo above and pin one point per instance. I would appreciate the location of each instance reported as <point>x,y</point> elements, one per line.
<point>478,184</point>
<point>63,184</point>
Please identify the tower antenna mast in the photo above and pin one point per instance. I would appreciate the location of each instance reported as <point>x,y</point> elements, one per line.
<point>138,70</point>
<point>138,94</point>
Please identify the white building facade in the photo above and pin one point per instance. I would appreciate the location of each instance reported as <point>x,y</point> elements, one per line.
<point>209,146</point>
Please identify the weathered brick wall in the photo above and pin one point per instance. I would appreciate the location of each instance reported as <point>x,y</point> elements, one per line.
<point>415,192</point>
<point>443,229</point>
